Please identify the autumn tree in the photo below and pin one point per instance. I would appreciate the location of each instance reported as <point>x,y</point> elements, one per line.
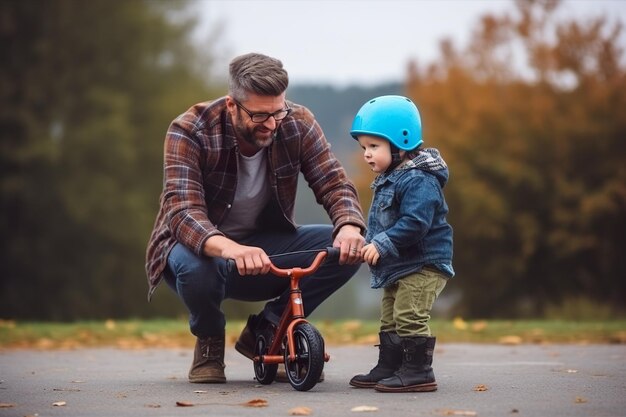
<point>531,117</point>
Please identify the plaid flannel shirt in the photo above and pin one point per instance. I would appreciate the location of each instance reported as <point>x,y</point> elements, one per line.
<point>200,178</point>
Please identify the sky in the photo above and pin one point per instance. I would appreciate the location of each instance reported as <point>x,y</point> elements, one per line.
<point>356,42</point>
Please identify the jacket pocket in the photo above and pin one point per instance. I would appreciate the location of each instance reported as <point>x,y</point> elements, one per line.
<point>386,213</point>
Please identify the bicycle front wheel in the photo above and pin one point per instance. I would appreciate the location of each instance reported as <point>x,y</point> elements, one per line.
<point>304,372</point>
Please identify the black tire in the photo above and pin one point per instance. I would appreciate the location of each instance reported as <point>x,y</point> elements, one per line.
<point>264,373</point>
<point>305,371</point>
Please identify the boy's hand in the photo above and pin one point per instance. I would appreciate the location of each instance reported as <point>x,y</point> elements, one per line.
<point>370,254</point>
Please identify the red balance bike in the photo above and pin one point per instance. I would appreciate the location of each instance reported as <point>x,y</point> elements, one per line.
<point>294,342</point>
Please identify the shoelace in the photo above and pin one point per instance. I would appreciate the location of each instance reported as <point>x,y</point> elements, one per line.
<point>212,350</point>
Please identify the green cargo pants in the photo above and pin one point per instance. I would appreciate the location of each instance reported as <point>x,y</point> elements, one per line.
<point>406,304</point>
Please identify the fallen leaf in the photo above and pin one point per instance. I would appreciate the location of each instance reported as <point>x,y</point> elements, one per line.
<point>7,405</point>
<point>459,323</point>
<point>479,326</point>
<point>9,324</point>
<point>363,408</point>
<point>183,404</point>
<point>352,325</point>
<point>448,412</point>
<point>300,411</point>
<point>480,387</point>
<point>153,405</point>
<point>580,400</point>
<point>59,403</point>
<point>510,340</point>
<point>368,339</point>
<point>257,402</point>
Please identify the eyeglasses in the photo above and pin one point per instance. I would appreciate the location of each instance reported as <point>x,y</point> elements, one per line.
<point>262,117</point>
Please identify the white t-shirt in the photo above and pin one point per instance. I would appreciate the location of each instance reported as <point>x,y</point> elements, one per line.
<point>252,195</point>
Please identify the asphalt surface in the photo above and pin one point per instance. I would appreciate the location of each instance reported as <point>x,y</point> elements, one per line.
<point>474,380</point>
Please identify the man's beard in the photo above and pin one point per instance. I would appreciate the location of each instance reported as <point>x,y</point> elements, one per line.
<point>249,135</point>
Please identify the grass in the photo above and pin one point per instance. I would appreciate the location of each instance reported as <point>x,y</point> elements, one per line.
<point>171,333</point>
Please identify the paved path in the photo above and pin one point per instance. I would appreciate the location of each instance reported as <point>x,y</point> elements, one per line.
<point>525,380</point>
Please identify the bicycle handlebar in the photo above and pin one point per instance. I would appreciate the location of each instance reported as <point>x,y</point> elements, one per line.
<point>331,254</point>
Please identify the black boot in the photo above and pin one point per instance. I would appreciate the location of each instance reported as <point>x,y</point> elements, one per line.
<point>389,361</point>
<point>416,373</point>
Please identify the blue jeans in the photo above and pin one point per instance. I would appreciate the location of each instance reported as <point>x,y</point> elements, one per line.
<point>203,282</point>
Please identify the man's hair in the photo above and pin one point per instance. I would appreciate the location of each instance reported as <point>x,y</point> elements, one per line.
<point>258,74</point>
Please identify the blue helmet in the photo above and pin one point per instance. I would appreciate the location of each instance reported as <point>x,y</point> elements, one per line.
<point>394,118</point>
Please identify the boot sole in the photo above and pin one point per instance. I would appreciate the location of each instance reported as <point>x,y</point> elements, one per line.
<point>411,388</point>
<point>205,380</point>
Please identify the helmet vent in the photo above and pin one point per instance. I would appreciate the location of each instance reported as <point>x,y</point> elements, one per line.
<point>405,133</point>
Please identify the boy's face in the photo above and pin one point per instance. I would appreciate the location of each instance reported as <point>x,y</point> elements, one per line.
<point>376,152</point>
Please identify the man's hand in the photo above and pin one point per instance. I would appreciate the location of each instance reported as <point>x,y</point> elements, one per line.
<point>370,254</point>
<point>350,242</point>
<point>250,260</point>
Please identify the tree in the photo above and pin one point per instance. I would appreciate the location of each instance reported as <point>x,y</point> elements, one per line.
<point>86,95</point>
<point>538,185</point>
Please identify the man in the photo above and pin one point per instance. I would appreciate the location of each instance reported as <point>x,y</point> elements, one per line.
<point>230,177</point>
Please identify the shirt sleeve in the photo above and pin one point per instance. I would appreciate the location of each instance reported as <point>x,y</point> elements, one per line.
<point>183,197</point>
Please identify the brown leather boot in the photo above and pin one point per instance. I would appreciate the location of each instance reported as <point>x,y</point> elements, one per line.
<point>247,339</point>
<point>208,361</point>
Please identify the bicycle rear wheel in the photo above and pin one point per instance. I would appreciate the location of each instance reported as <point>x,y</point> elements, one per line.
<point>264,373</point>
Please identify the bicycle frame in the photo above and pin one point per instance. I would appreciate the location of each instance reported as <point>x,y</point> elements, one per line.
<point>293,313</point>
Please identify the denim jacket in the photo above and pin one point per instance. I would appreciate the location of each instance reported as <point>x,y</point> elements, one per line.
<point>407,220</point>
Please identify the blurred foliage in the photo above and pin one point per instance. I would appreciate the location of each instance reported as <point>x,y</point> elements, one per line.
<point>87,91</point>
<point>537,193</point>
<point>170,333</point>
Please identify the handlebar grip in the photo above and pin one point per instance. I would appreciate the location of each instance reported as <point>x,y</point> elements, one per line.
<point>332,254</point>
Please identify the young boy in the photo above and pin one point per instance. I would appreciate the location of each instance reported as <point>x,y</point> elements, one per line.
<point>408,242</point>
